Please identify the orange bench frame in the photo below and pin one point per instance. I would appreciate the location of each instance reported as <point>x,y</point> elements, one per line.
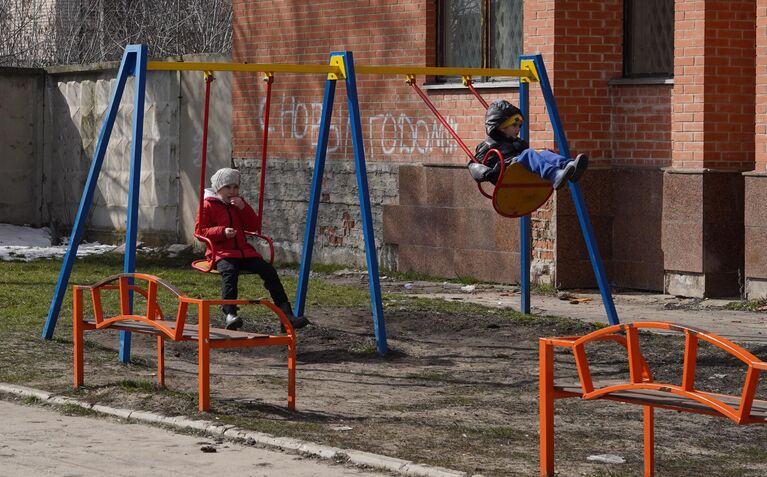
<point>641,389</point>
<point>152,322</point>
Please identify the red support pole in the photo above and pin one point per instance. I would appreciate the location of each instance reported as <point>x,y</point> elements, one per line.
<point>208,79</point>
<point>469,84</point>
<point>269,78</point>
<point>411,82</point>
<point>77,336</point>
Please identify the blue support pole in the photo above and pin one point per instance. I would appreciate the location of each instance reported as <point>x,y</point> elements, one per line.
<point>314,196</point>
<point>575,191</point>
<point>364,195</point>
<point>127,68</point>
<point>524,221</point>
<point>131,228</point>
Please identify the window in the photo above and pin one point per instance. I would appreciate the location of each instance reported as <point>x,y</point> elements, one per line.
<point>648,38</point>
<point>479,34</point>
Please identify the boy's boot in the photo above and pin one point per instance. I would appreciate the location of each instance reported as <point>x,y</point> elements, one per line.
<point>233,322</point>
<point>581,162</point>
<point>482,173</point>
<point>563,175</point>
<point>296,321</point>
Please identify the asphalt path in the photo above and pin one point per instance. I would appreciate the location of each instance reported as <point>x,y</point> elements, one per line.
<point>36,441</point>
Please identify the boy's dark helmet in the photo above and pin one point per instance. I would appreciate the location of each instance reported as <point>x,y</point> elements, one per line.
<point>498,112</point>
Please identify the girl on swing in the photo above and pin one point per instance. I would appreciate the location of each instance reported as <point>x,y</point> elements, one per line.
<point>503,121</point>
<point>223,219</point>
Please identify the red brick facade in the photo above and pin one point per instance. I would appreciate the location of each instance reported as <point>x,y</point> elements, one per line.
<point>755,220</point>
<point>666,191</point>
<point>712,144</point>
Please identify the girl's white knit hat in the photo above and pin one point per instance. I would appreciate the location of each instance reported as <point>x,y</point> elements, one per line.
<point>224,177</point>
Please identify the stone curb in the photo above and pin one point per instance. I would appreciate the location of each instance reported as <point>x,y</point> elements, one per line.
<point>399,466</point>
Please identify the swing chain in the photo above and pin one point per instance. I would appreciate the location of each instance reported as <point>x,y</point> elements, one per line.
<point>269,77</point>
<point>410,79</point>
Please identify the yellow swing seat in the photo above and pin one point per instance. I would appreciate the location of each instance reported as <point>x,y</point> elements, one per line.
<point>520,192</point>
<point>517,192</point>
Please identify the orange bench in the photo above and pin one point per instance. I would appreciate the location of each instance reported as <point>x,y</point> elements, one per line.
<point>153,322</point>
<point>641,389</point>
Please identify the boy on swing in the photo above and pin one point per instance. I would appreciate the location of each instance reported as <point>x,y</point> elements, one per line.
<point>223,219</point>
<point>503,121</point>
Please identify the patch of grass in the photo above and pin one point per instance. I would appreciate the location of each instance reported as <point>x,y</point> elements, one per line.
<point>75,410</point>
<point>31,400</point>
<point>746,305</point>
<point>463,401</point>
<point>276,428</point>
<point>433,305</point>
<point>542,289</point>
<point>609,473</point>
<point>752,454</point>
<point>132,386</point>
<point>366,347</point>
<point>26,290</point>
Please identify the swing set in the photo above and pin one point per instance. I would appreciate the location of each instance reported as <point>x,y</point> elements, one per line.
<point>516,194</point>
<point>204,265</point>
<point>518,191</point>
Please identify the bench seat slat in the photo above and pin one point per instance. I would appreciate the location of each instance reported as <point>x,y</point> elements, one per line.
<point>190,331</point>
<point>154,323</point>
<point>673,401</point>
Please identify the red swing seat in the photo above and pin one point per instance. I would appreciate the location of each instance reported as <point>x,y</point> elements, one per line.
<point>517,191</point>
<point>204,265</point>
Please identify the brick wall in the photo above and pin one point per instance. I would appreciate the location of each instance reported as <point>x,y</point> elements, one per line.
<point>704,119</point>
<point>587,53</point>
<point>687,125</point>
<point>443,227</point>
<point>713,116</point>
<point>760,135</point>
<point>539,23</point>
<point>729,91</point>
<point>713,142</point>
<point>641,125</point>
<point>755,217</point>
<point>397,126</point>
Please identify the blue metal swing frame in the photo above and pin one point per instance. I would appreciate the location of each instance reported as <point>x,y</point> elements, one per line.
<point>134,63</point>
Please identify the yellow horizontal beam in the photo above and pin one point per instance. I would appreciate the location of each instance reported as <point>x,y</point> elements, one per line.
<point>440,71</point>
<point>331,69</point>
<point>248,67</point>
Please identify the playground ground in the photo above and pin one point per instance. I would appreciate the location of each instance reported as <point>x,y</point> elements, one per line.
<point>459,388</point>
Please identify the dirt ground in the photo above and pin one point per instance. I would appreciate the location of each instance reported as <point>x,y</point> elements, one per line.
<point>457,390</point>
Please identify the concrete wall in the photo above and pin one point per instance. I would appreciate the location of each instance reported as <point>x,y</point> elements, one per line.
<point>49,151</point>
<point>190,120</point>
<point>77,99</point>
<point>339,235</point>
<point>21,152</point>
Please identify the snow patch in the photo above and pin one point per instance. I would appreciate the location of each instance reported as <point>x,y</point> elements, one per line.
<point>28,243</point>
